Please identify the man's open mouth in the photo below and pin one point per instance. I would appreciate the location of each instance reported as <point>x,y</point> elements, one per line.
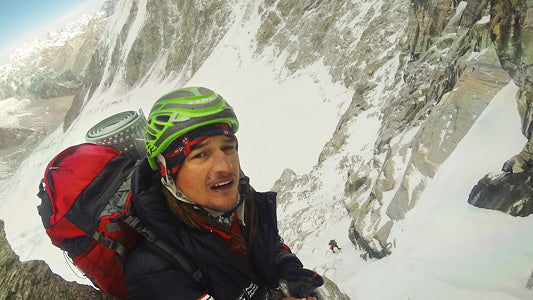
<point>221,185</point>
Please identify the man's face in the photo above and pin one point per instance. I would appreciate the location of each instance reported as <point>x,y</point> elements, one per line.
<point>209,175</point>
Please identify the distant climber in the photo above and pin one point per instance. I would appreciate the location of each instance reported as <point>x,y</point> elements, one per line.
<point>332,245</point>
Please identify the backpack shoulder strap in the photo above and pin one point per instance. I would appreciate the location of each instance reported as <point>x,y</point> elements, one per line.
<point>160,247</point>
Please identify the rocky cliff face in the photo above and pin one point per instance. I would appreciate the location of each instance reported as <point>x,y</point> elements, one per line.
<point>166,39</point>
<point>447,70</point>
<point>454,60</point>
<point>512,32</point>
<point>34,280</point>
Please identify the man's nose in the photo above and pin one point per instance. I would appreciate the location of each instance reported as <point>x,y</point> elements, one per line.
<point>221,162</point>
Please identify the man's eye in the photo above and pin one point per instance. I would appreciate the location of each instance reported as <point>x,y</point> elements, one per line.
<point>228,148</point>
<point>198,155</point>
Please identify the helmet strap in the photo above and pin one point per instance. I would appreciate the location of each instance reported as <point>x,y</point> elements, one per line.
<point>168,182</point>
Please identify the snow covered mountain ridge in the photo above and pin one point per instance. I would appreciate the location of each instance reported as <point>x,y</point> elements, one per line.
<point>40,81</point>
<point>53,65</point>
<point>387,90</point>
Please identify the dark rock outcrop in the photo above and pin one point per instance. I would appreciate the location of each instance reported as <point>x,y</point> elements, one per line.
<point>507,192</point>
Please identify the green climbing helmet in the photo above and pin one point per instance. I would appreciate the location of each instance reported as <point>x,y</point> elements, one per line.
<point>181,111</point>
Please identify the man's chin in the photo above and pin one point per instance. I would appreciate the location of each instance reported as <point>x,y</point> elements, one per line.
<point>222,208</point>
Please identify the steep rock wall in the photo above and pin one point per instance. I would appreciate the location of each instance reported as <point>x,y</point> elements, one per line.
<point>422,69</point>
<point>458,87</point>
<point>512,32</point>
<point>166,39</point>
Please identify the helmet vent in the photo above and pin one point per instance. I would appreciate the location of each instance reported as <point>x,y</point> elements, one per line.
<point>150,137</point>
<point>159,127</point>
<point>162,119</point>
<point>204,91</point>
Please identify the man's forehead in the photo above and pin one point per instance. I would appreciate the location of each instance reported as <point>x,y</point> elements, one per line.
<point>225,139</point>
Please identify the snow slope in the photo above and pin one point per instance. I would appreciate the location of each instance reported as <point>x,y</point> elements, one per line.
<point>446,248</point>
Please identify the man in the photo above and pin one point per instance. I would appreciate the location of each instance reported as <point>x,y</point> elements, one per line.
<point>333,244</point>
<point>191,192</point>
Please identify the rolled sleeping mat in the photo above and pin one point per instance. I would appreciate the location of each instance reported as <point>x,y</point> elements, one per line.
<point>124,132</point>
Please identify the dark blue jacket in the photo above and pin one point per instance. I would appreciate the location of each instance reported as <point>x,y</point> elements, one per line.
<point>226,276</point>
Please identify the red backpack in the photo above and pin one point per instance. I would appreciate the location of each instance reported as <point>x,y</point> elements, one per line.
<point>87,211</point>
<point>85,197</point>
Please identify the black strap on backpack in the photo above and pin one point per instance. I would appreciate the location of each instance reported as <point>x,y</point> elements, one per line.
<point>160,247</point>
<point>155,244</point>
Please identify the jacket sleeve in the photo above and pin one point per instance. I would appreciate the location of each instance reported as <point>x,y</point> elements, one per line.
<point>285,259</point>
<point>149,276</point>
<point>298,281</point>
<point>269,239</point>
